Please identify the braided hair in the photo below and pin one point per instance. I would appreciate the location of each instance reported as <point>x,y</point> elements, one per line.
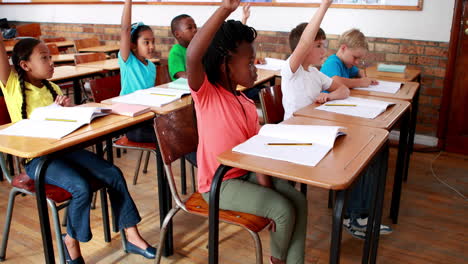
<point>21,52</point>
<point>225,42</point>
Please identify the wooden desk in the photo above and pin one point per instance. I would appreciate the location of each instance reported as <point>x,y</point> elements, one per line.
<point>264,76</point>
<point>9,49</point>
<point>103,48</point>
<point>101,129</point>
<point>410,75</point>
<point>108,65</point>
<point>406,93</point>
<point>386,120</point>
<point>73,73</point>
<point>337,171</point>
<point>63,44</point>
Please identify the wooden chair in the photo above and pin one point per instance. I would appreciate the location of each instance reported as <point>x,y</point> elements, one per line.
<point>89,57</point>
<point>177,136</point>
<point>272,105</point>
<point>29,30</point>
<point>162,73</point>
<point>53,48</point>
<point>10,42</point>
<point>47,40</point>
<point>86,43</point>
<point>57,198</point>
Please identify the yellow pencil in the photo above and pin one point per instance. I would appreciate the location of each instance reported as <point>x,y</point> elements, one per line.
<point>62,120</point>
<point>171,95</point>
<point>289,144</point>
<point>340,105</point>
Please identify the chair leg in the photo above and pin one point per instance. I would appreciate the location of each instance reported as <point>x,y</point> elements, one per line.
<point>194,183</point>
<point>105,215</point>
<point>145,166</point>
<point>137,169</point>
<point>6,229</point>
<point>58,232</point>
<point>65,215</point>
<point>331,199</point>
<point>183,178</point>
<point>93,202</point>
<point>258,246</point>
<point>163,232</point>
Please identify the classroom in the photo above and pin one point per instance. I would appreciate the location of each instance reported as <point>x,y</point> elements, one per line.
<point>343,139</point>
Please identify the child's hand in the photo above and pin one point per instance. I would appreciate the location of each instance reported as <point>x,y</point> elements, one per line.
<point>322,98</point>
<point>62,100</point>
<point>245,13</point>
<point>260,61</point>
<point>365,82</point>
<point>374,82</point>
<point>230,5</point>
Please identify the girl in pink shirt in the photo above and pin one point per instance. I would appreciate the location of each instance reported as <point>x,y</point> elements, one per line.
<point>221,56</point>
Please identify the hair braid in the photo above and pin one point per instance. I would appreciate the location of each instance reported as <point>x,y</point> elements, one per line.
<point>50,88</point>
<point>24,113</point>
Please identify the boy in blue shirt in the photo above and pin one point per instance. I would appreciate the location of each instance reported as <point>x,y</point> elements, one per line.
<point>342,67</point>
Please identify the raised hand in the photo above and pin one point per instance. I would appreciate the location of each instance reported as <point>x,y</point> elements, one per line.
<point>245,13</point>
<point>327,2</point>
<point>230,5</point>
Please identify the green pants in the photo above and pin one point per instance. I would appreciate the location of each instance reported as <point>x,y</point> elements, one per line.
<point>283,204</point>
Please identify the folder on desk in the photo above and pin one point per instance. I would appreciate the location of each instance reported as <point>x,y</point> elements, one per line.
<point>356,106</point>
<point>153,97</point>
<point>301,144</point>
<point>391,68</point>
<point>383,87</point>
<point>54,121</point>
<point>179,84</point>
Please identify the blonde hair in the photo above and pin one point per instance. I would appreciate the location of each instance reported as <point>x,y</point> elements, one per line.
<point>353,38</point>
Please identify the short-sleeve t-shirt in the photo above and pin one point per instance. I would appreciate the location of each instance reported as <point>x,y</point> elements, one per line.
<point>135,75</point>
<point>176,61</point>
<point>333,66</point>
<point>222,125</point>
<point>35,96</point>
<point>301,88</point>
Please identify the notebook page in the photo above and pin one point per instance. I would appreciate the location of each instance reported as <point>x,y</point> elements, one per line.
<point>154,97</point>
<point>78,114</point>
<point>383,86</point>
<point>271,64</point>
<point>324,135</point>
<point>41,129</point>
<point>360,107</point>
<point>181,84</point>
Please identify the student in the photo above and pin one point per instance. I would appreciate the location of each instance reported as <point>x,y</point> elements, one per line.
<point>136,71</point>
<point>221,56</point>
<point>183,28</point>
<point>301,83</point>
<point>25,88</point>
<point>342,66</point>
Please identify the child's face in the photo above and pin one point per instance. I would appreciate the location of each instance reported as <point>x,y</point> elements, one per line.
<point>145,44</point>
<point>241,66</point>
<point>186,31</point>
<point>40,65</point>
<point>352,56</point>
<point>317,52</point>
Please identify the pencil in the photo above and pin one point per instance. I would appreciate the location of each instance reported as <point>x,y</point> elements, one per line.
<point>289,144</point>
<point>62,120</point>
<point>171,95</point>
<point>340,105</point>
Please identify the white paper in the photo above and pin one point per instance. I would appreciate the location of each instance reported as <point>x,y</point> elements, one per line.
<point>154,97</point>
<point>181,84</point>
<point>383,86</point>
<point>365,108</point>
<point>271,64</point>
<point>321,137</point>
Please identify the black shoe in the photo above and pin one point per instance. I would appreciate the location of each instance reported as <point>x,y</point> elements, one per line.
<point>149,252</point>
<point>78,260</point>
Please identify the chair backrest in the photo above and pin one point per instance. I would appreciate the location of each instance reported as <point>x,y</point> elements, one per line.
<point>29,30</point>
<point>86,43</point>
<point>89,57</point>
<point>53,48</point>
<point>4,116</point>
<point>105,88</point>
<point>272,106</point>
<point>177,136</point>
<point>47,40</point>
<point>9,42</point>
<point>162,73</point>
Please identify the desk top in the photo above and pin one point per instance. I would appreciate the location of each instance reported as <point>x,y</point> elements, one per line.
<point>408,76</point>
<point>68,71</point>
<point>263,77</point>
<point>108,65</point>
<point>63,44</point>
<point>63,58</point>
<point>406,92</point>
<point>29,147</point>
<point>337,170</point>
<point>386,120</point>
<point>103,48</point>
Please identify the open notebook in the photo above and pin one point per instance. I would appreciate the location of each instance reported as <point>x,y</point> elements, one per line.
<point>54,121</point>
<point>301,144</point>
<point>271,64</point>
<point>355,106</point>
<point>155,97</point>
<point>383,86</point>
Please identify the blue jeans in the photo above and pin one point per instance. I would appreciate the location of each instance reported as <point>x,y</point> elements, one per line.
<point>72,172</point>
<point>360,196</point>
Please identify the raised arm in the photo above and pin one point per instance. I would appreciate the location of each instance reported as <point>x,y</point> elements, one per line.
<point>4,63</point>
<point>308,36</point>
<point>245,13</point>
<point>125,29</point>
<point>201,41</point>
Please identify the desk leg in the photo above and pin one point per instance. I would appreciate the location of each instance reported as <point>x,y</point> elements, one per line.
<point>412,131</point>
<point>214,213</point>
<point>76,91</point>
<point>165,204</point>
<point>105,212</point>
<point>43,212</point>
<point>337,224</point>
<point>400,167</point>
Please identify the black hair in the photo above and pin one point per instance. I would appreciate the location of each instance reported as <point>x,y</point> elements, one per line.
<point>21,52</point>
<point>135,34</point>
<point>175,23</point>
<point>296,34</point>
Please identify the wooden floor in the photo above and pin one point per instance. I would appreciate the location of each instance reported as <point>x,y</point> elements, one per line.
<point>433,224</point>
